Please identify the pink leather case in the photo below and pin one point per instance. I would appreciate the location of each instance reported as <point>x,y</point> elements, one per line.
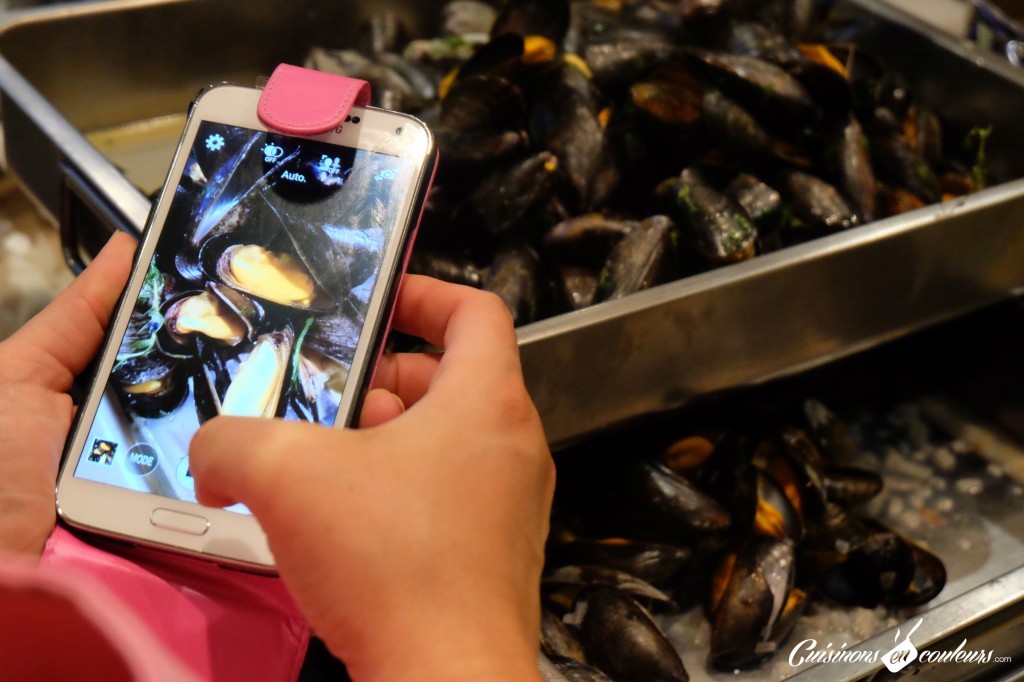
<point>300,101</point>
<point>224,625</point>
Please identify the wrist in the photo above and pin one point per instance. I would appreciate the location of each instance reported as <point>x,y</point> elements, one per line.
<point>446,653</point>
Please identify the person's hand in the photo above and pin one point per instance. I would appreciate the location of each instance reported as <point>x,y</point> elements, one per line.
<point>37,365</point>
<point>413,546</point>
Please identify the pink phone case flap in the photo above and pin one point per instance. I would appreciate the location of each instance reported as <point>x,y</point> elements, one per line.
<point>224,625</point>
<point>300,101</point>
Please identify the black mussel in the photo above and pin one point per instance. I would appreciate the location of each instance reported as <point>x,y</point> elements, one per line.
<point>219,313</point>
<point>773,512</point>
<point>335,335</point>
<point>760,201</point>
<point>482,119</point>
<point>574,671</point>
<point>255,387</point>
<point>808,466</point>
<point>850,486</point>
<point>830,434</point>
<point>577,578</point>
<point>620,637</point>
<point>855,172</point>
<point>859,563</point>
<point>716,227</point>
<point>510,194</point>
<point>557,640</point>
<point>758,86</point>
<point>547,18</point>
<point>816,204</point>
<point>928,581</point>
<point>478,147</point>
<point>151,384</point>
<point>445,267</point>
<point>753,602</point>
<point>578,286</point>
<point>226,201</point>
<point>564,119</point>
<point>671,95</point>
<point>648,561</point>
<point>515,278</point>
<point>897,163</point>
<point>651,502</point>
<point>742,135</point>
<point>641,259</point>
<point>825,79</point>
<point>586,240</point>
<point>617,64</point>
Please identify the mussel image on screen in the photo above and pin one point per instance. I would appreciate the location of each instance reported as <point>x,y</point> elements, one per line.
<point>254,301</point>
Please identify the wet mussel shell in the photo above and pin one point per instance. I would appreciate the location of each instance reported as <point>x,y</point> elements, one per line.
<point>151,385</point>
<point>620,637</point>
<point>240,383</point>
<point>558,640</point>
<point>647,501</point>
<point>242,311</point>
<point>643,258</point>
<point>655,563</point>
<point>216,255</point>
<point>864,564</point>
<point>578,578</point>
<point>574,671</point>
<point>755,584</point>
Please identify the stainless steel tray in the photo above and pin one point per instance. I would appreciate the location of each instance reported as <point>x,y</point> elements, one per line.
<point>940,415</point>
<point>132,66</point>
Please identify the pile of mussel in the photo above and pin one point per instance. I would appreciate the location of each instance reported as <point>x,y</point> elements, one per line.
<point>749,526</point>
<point>596,148</point>
<point>251,312</point>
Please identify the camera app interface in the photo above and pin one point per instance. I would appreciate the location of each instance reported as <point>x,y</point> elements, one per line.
<point>253,302</point>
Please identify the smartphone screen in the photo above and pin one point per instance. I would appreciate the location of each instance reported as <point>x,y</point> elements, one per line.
<point>253,303</point>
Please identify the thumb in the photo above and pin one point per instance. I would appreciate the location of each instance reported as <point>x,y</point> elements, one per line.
<point>240,459</point>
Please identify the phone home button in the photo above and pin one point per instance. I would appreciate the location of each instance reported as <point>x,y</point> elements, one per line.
<point>181,522</point>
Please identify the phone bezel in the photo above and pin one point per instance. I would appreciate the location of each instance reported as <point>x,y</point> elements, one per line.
<point>236,539</point>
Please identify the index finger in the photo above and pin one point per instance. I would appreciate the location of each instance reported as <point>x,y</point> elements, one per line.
<point>473,327</point>
<point>58,343</point>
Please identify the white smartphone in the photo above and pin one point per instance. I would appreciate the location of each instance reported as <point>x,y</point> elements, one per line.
<point>263,286</point>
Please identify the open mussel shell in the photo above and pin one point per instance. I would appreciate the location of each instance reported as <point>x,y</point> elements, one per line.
<point>577,578</point>
<point>752,602</point>
<point>219,313</point>
<point>620,637</point>
<point>248,385</point>
<point>859,562</point>
<point>574,671</point>
<point>557,640</point>
<point>269,275</point>
<point>649,561</point>
<point>648,501</point>
<point>151,385</point>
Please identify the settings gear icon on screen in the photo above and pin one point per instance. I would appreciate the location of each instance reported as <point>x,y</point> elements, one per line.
<point>215,142</point>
